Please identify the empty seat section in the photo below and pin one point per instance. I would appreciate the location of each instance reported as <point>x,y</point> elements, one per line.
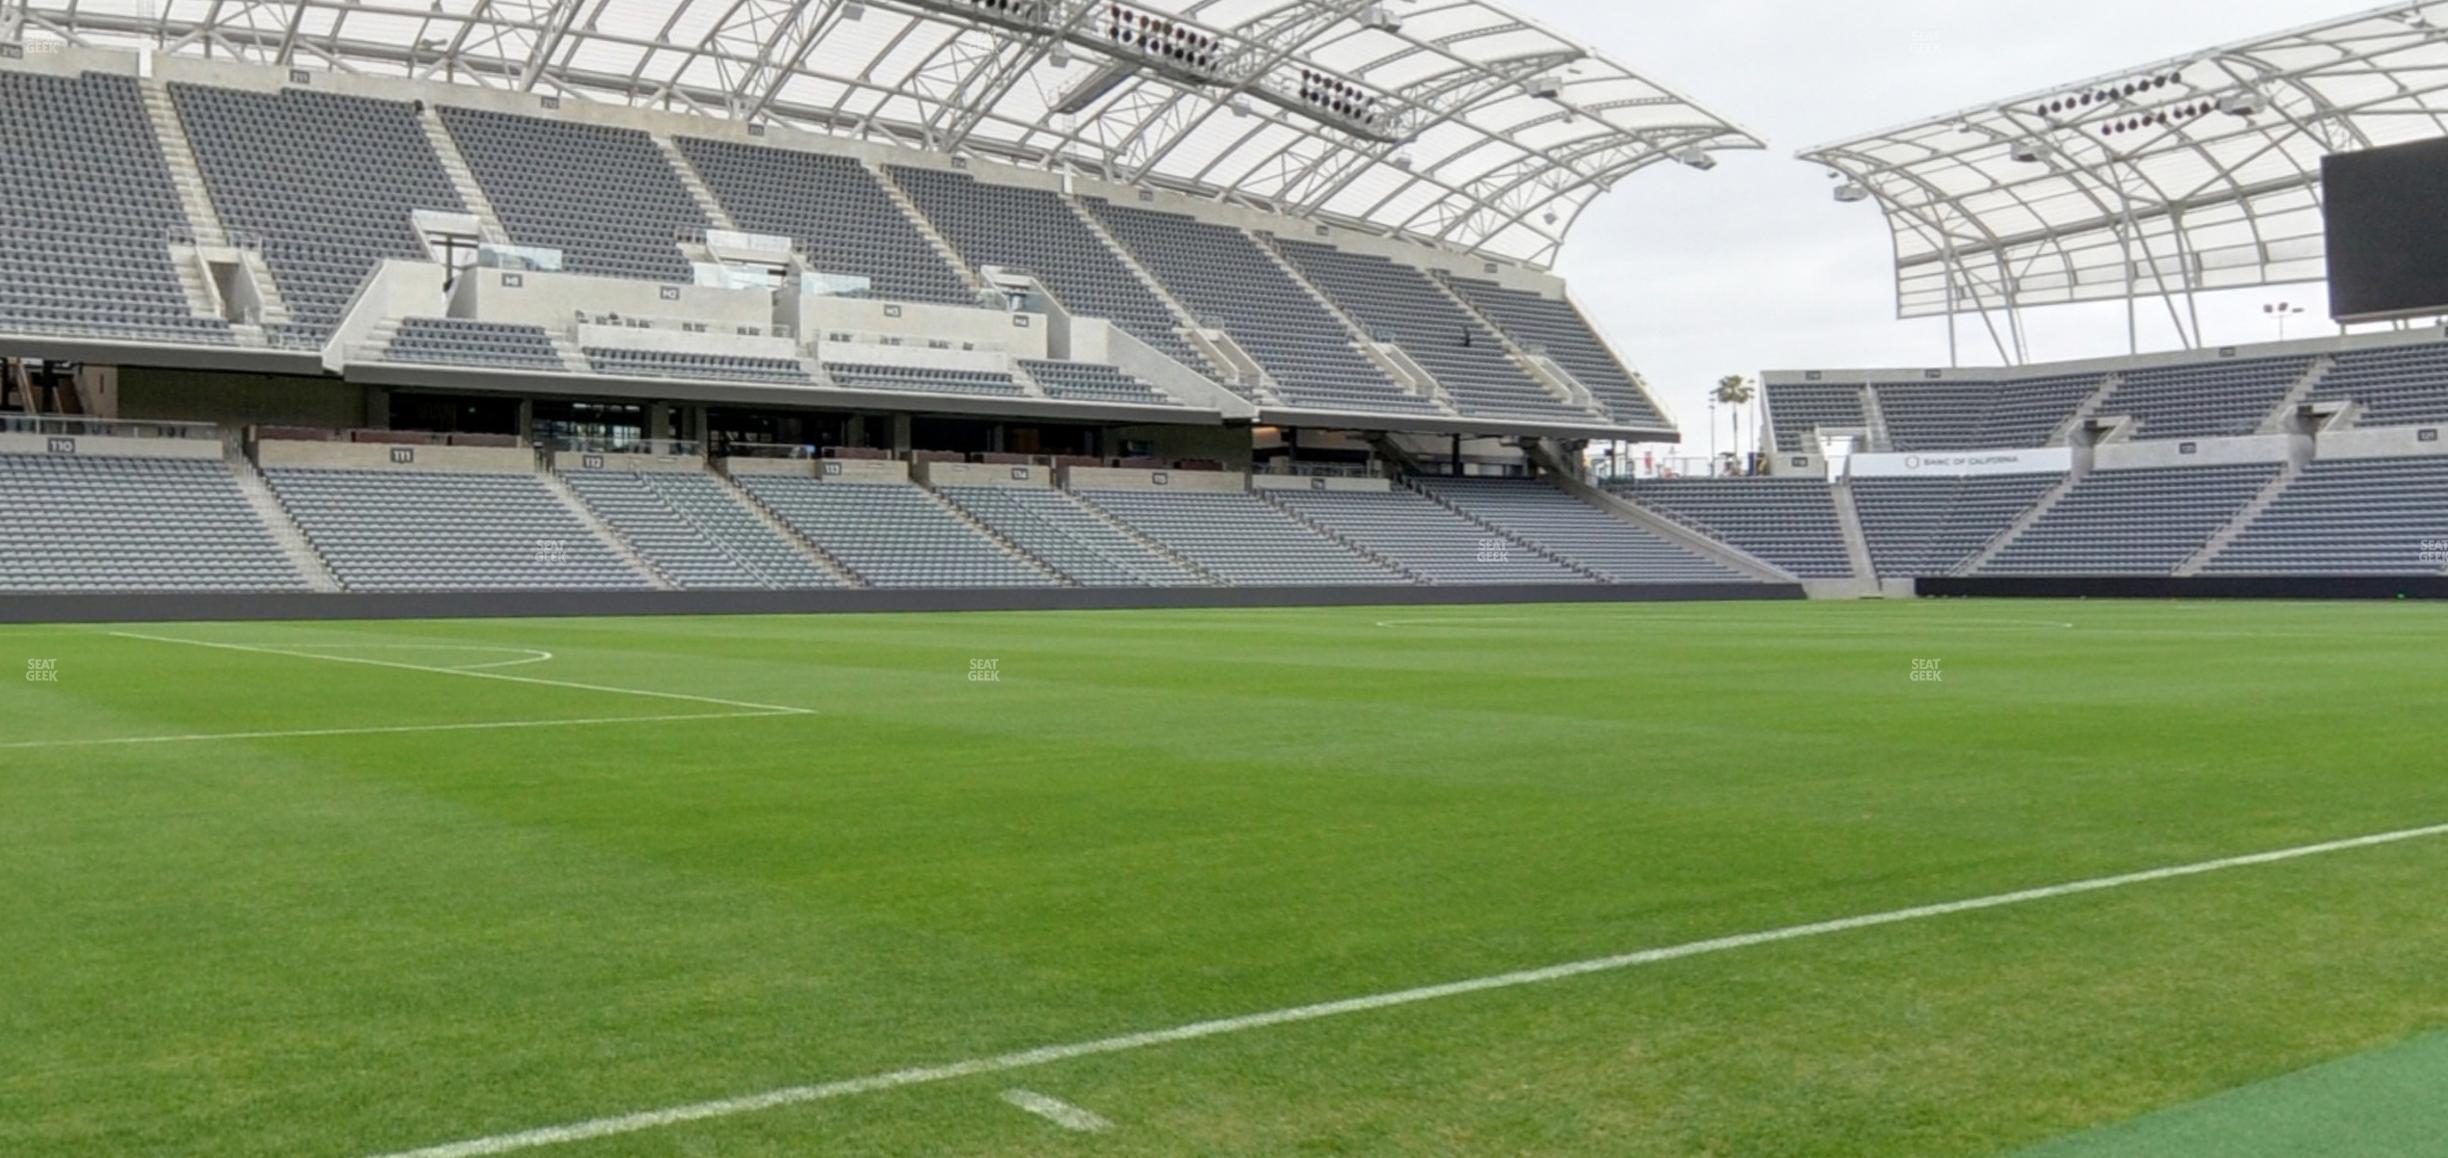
<point>2204,400</point>
<point>1423,538</point>
<point>891,534</point>
<point>1559,327</point>
<point>2132,522</point>
<point>460,342</point>
<point>1093,382</point>
<point>2380,516</point>
<point>1400,304</point>
<point>90,214</point>
<point>605,197</point>
<point>1795,409</point>
<point>1224,278</point>
<point>1070,536</point>
<point>2398,386</point>
<point>1788,522</point>
<point>921,379</point>
<point>383,530</point>
<point>1923,416</point>
<point>1035,231</point>
<point>1930,526</point>
<point>690,364</point>
<point>76,523</point>
<point>694,534</point>
<point>833,207</point>
<point>331,184</point>
<point>1241,539</point>
<point>1562,525</point>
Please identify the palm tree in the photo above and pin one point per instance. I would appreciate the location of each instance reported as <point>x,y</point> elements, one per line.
<point>1736,392</point>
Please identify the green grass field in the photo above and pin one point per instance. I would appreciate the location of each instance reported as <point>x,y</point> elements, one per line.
<point>419,905</point>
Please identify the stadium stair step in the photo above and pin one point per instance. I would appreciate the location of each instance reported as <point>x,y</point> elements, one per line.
<point>2090,407</point>
<point>179,154</point>
<point>1027,382</point>
<point>926,228</point>
<point>2023,522</point>
<point>463,180</point>
<point>996,537</point>
<point>1558,558</point>
<point>1673,530</point>
<point>285,531</point>
<point>1848,518</point>
<point>1133,534</point>
<point>781,526</point>
<point>1397,363</point>
<point>1555,380</point>
<point>696,186</point>
<point>2243,520</point>
<point>1874,415</point>
<point>1339,539</point>
<point>602,530</point>
<point>1185,322</point>
<point>2281,418</point>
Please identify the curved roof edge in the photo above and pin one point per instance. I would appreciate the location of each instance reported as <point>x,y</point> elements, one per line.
<point>1451,121</point>
<point>2200,172</point>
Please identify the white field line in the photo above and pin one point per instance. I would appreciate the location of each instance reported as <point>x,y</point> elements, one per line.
<point>527,655</point>
<point>472,673</point>
<point>391,730</point>
<point>1047,1055</point>
<point>1934,624</point>
<point>1058,1111</point>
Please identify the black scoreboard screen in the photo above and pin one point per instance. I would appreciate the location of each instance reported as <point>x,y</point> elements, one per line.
<point>2387,213</point>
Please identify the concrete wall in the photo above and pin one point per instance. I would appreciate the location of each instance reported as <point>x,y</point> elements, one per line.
<point>573,461</point>
<point>2206,452</point>
<point>377,456</point>
<point>677,341</point>
<point>1285,482</point>
<point>1110,479</point>
<point>2382,442</point>
<point>104,446</point>
<point>1024,335</point>
<point>982,474</point>
<point>552,300</point>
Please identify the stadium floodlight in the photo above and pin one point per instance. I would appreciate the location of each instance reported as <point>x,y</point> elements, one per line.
<point>2248,103</point>
<point>1060,57</point>
<point>1381,18</point>
<point>1696,157</point>
<point>1545,86</point>
<point>2028,152</point>
<point>854,11</point>
<point>1852,193</point>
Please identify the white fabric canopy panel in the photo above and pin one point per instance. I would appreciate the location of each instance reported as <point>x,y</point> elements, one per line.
<point>2191,174</point>
<point>1451,120</point>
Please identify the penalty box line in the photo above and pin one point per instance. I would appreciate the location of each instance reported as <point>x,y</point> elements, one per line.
<point>391,730</point>
<point>1047,1055</point>
<point>471,673</point>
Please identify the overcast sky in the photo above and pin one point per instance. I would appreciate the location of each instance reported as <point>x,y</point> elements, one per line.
<point>1754,266</point>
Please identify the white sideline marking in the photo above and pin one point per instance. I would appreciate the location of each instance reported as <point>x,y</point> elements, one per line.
<point>528,654</point>
<point>1057,1111</point>
<point>200,737</point>
<point>471,673</point>
<point>1046,1055</point>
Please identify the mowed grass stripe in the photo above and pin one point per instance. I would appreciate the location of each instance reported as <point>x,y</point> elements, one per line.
<point>1124,1043</point>
<point>336,946</point>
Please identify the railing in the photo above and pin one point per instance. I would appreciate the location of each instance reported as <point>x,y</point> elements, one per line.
<point>105,427</point>
<point>656,447</point>
<point>912,341</point>
<point>683,325</point>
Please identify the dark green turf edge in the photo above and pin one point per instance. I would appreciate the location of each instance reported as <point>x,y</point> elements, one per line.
<point>2391,1101</point>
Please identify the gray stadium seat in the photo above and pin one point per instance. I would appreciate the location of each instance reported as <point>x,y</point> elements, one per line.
<point>90,523</point>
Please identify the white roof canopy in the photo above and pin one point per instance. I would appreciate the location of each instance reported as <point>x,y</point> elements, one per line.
<point>2197,173</point>
<point>1442,135</point>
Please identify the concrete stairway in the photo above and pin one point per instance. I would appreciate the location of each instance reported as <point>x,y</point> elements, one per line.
<point>690,180</point>
<point>2243,520</point>
<point>585,514</point>
<point>2022,523</point>
<point>285,531</point>
<point>463,181</point>
<point>934,237</point>
<point>778,525</point>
